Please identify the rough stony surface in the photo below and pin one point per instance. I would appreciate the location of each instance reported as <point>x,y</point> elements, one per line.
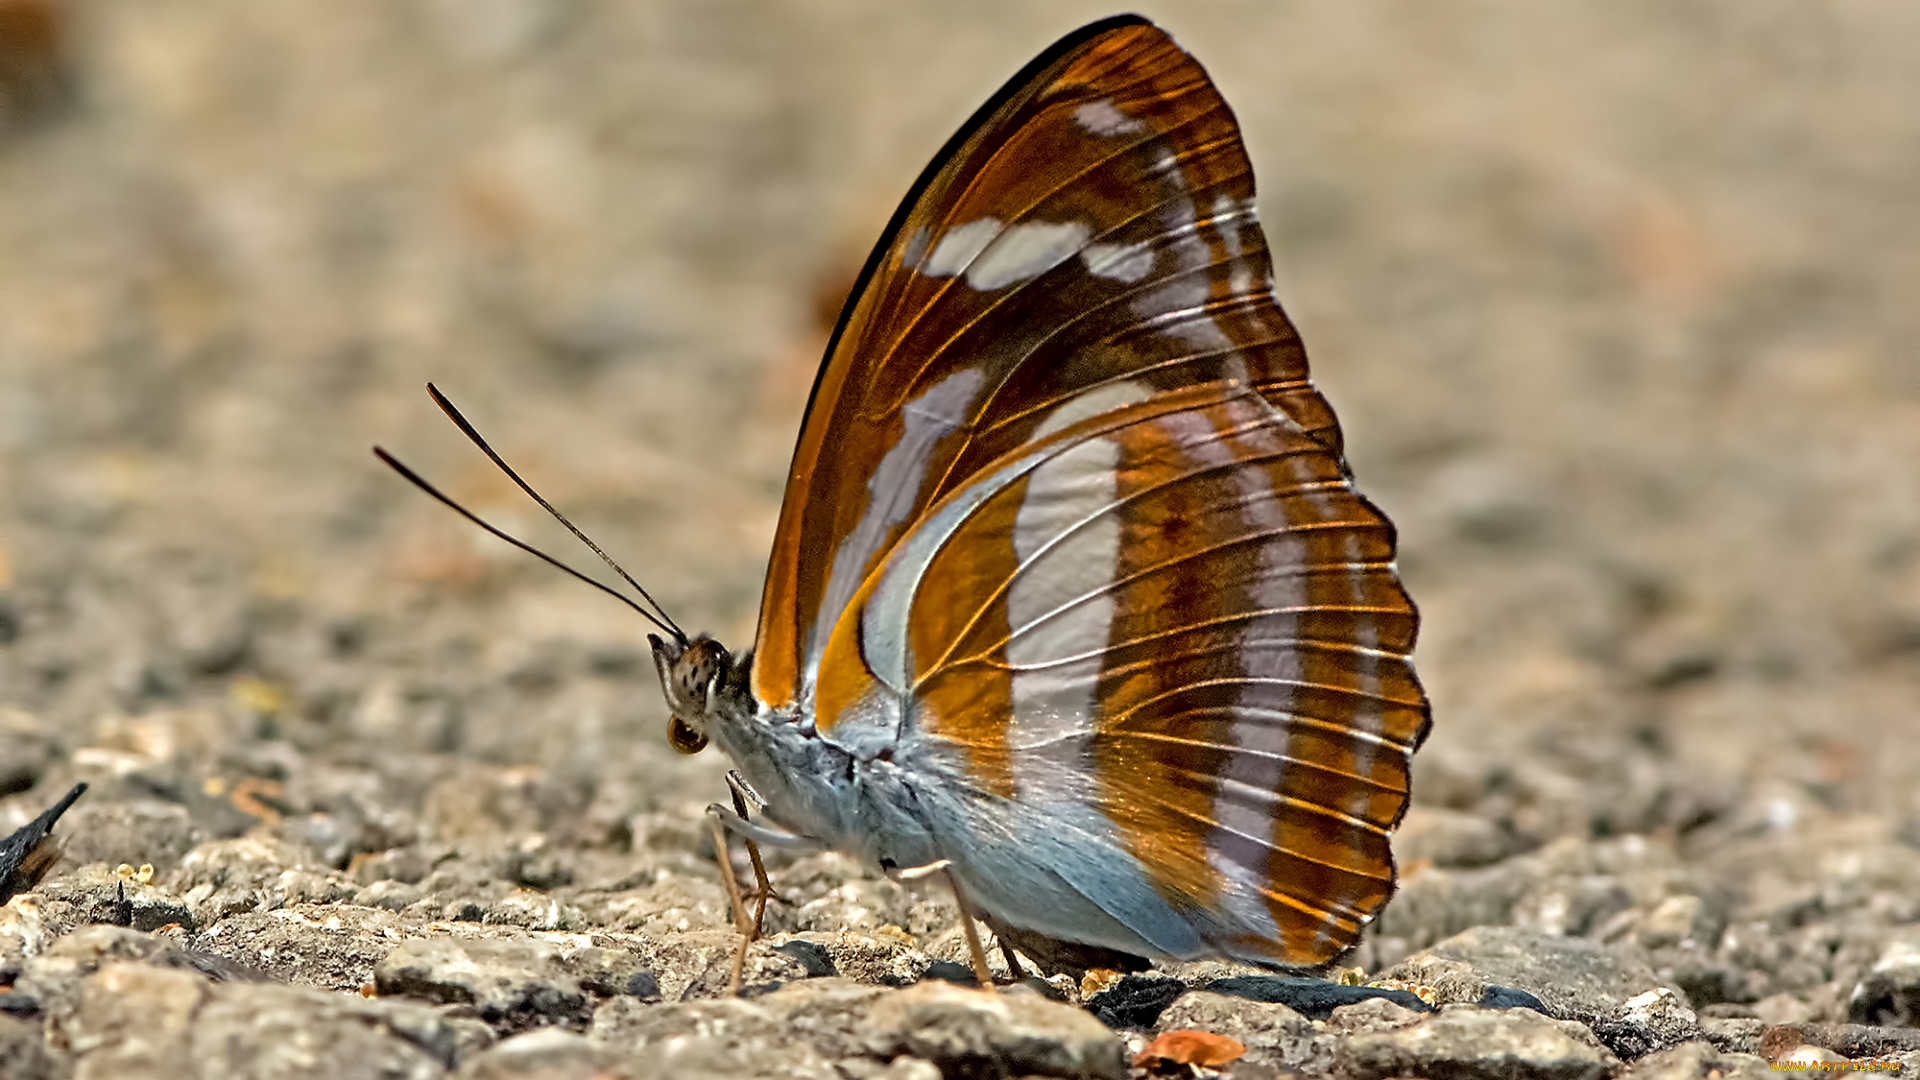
<point>130,1017</point>
<point>1698,1061</point>
<point>1847,1040</point>
<point>1468,1041</point>
<point>1890,992</point>
<point>1611,991</point>
<point>1274,1034</point>
<point>1614,302</point>
<point>24,1054</point>
<point>968,1032</point>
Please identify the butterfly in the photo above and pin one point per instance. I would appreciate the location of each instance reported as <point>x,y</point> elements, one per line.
<point>1071,596</point>
<point>27,854</point>
<point>1071,593</point>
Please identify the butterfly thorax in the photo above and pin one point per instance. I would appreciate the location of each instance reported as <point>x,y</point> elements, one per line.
<point>808,784</point>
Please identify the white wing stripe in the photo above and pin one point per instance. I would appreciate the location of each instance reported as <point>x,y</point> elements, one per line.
<point>1052,701</point>
<point>891,494</point>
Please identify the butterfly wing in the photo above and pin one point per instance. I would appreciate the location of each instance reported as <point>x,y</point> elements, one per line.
<point>1158,659</point>
<point>1092,223</point>
<point>1070,541</point>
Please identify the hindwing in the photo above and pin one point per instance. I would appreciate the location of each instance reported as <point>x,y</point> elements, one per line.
<point>1178,619</point>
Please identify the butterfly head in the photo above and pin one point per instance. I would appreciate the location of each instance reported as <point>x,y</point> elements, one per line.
<point>695,675</point>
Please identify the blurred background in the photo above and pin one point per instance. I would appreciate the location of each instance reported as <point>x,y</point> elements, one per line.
<point>1616,301</point>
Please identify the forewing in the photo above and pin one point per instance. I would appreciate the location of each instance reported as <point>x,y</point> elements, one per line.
<point>1178,620</point>
<point>1093,224</point>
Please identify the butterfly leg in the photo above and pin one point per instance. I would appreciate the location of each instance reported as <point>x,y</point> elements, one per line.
<point>1014,970</point>
<point>742,793</point>
<point>763,889</point>
<point>974,949</point>
<point>747,933</point>
<point>723,821</point>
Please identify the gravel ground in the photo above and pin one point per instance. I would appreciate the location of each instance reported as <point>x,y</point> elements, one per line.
<point>1615,302</point>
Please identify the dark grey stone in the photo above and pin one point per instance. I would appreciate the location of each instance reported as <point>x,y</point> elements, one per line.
<point>1314,999</point>
<point>642,985</point>
<point>815,958</point>
<point>1890,992</point>
<point>951,971</point>
<point>1506,997</point>
<point>1136,1001</point>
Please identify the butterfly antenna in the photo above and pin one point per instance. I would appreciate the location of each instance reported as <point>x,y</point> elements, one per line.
<point>660,620</point>
<point>467,429</point>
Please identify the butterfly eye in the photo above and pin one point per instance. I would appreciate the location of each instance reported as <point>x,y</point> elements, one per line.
<point>710,692</point>
<point>697,673</point>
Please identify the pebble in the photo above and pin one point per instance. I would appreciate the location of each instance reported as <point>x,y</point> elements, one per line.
<point>1275,1035</point>
<point>324,946</point>
<point>1890,993</point>
<point>135,831</point>
<point>510,984</point>
<point>1469,1043</point>
<point>24,1054</point>
<point>1652,1020</point>
<point>1135,1001</point>
<point>698,963</point>
<point>134,1019</point>
<point>1374,1014</point>
<point>287,676</point>
<point>1575,978</point>
<point>95,894</point>
<point>1697,1060</point>
<point>1313,998</point>
<point>542,1054</point>
<point>800,1031</point>
<point>1848,1040</point>
<point>1674,921</point>
<point>968,1032</point>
